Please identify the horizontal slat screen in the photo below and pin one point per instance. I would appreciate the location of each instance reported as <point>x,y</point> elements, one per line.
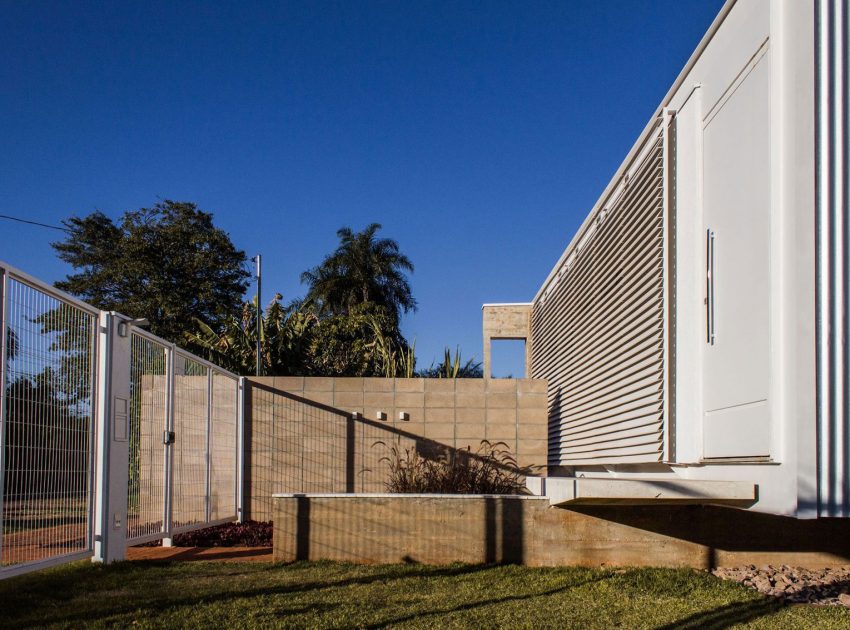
<point>598,333</point>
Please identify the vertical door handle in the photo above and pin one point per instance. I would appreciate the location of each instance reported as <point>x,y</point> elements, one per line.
<point>709,286</point>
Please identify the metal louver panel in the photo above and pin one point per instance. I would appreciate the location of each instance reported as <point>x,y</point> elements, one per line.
<point>598,325</point>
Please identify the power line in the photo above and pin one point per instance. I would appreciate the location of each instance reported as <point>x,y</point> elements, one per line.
<point>46,225</point>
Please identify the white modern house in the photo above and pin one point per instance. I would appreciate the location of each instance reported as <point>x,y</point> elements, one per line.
<point>694,334</point>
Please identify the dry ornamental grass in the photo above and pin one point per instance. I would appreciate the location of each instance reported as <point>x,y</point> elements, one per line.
<point>492,469</point>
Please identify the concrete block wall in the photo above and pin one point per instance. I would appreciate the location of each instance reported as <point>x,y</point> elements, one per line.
<point>300,436</point>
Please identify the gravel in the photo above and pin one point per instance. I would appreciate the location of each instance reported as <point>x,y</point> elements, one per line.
<point>795,585</point>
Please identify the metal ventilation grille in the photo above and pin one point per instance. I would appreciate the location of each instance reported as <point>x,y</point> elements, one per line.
<point>598,327</point>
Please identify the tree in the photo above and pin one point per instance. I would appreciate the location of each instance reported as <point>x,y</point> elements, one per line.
<point>356,343</point>
<point>363,269</point>
<point>168,264</point>
<point>296,342</point>
<point>45,425</point>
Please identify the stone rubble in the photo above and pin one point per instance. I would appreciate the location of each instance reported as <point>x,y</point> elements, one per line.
<point>794,585</point>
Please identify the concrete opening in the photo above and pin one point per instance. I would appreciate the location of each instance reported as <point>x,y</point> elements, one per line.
<point>507,358</point>
<point>511,322</point>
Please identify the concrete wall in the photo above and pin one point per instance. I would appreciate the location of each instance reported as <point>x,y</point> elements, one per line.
<point>300,435</point>
<point>438,529</point>
<point>506,321</point>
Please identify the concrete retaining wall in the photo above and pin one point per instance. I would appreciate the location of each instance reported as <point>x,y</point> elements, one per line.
<point>439,529</point>
<point>300,436</point>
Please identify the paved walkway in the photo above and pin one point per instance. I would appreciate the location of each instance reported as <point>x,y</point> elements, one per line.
<point>220,554</point>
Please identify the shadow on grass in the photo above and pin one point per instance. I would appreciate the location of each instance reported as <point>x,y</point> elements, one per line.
<point>220,553</point>
<point>485,602</point>
<point>727,616</point>
<point>108,609</point>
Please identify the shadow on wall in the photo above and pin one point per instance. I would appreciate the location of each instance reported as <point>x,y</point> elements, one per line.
<point>504,531</point>
<point>402,528</point>
<point>297,445</point>
<point>730,536</point>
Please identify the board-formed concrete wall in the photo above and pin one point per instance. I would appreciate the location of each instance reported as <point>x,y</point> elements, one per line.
<point>440,529</point>
<point>300,435</point>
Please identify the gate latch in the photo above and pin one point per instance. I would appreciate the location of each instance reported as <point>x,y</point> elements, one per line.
<point>168,437</point>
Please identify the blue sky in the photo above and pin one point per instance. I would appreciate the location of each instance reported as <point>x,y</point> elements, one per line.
<point>478,133</point>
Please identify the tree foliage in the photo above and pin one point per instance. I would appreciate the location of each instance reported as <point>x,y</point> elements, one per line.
<point>363,269</point>
<point>356,343</point>
<point>453,367</point>
<point>285,331</point>
<point>49,421</point>
<point>168,264</point>
<point>297,342</point>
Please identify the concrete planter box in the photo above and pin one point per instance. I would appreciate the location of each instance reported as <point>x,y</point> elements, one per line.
<point>439,529</point>
<point>386,528</point>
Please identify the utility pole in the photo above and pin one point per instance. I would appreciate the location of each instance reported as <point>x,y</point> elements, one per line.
<point>256,259</point>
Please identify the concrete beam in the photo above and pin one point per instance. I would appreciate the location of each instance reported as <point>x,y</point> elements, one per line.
<point>564,491</point>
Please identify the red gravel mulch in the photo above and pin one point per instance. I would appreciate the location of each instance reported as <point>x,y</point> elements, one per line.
<point>219,554</point>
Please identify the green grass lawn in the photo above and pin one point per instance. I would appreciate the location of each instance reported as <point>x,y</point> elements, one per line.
<point>333,595</point>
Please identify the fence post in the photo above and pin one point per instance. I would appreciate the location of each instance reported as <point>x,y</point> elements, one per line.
<point>349,454</point>
<point>168,507</point>
<point>113,432</point>
<point>4,351</point>
<point>240,452</point>
<point>208,481</point>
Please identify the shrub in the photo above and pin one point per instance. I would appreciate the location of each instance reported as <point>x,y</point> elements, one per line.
<point>247,534</point>
<point>490,470</point>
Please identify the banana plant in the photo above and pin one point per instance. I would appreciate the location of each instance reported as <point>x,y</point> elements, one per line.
<point>396,358</point>
<point>284,335</point>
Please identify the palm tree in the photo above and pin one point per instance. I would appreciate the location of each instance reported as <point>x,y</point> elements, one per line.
<point>362,269</point>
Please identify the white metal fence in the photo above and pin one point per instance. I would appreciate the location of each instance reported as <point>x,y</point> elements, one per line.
<point>108,435</point>
<point>47,424</point>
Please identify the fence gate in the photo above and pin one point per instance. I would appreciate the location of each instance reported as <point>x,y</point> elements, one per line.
<point>109,435</point>
<point>183,441</point>
<point>149,386</point>
<point>48,379</point>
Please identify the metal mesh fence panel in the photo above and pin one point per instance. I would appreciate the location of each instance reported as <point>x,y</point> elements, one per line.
<point>189,451</point>
<point>180,428</point>
<point>224,401</point>
<point>294,445</point>
<point>299,445</point>
<point>148,421</point>
<point>47,426</point>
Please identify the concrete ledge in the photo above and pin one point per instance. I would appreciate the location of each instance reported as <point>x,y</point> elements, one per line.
<point>536,485</point>
<point>564,491</point>
<point>397,495</point>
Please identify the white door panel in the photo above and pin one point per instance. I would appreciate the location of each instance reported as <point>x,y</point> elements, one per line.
<point>736,198</point>
<point>737,431</point>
